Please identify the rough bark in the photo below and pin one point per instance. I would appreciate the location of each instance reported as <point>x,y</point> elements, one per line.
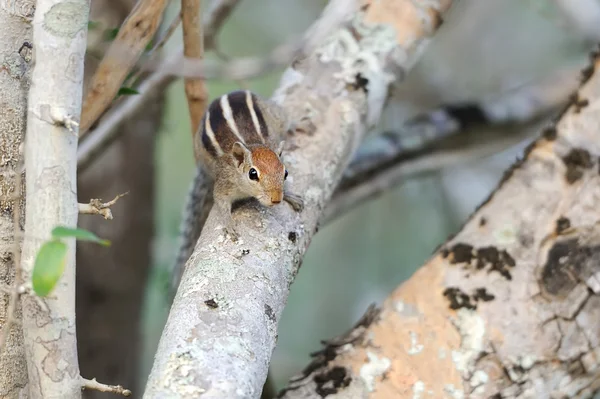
<point>111,282</point>
<point>507,308</point>
<point>223,323</point>
<point>15,65</point>
<point>54,106</point>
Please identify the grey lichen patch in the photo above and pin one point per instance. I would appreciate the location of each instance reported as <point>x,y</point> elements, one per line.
<point>182,377</point>
<point>471,328</point>
<point>375,367</point>
<point>21,8</point>
<point>357,50</point>
<point>67,19</point>
<point>587,319</point>
<point>15,65</point>
<point>573,343</point>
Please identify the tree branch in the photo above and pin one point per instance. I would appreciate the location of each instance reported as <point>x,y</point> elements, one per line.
<point>131,41</point>
<point>448,136</point>
<point>59,40</point>
<point>193,48</point>
<point>511,302</point>
<point>223,322</point>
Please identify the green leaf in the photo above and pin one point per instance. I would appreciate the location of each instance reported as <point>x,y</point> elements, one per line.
<point>127,91</point>
<point>111,34</point>
<point>78,234</point>
<point>49,266</point>
<point>92,25</point>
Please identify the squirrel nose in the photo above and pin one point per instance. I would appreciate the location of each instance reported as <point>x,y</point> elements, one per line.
<point>276,197</point>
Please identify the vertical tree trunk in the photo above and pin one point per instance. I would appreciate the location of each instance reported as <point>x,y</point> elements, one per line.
<point>53,110</point>
<point>15,30</point>
<point>111,283</point>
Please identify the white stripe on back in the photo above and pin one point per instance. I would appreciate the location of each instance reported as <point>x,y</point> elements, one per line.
<point>211,134</point>
<point>250,105</point>
<point>228,115</point>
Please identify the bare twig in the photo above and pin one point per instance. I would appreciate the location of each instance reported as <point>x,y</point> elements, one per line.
<point>97,386</point>
<point>236,68</point>
<point>106,131</point>
<point>193,48</point>
<point>97,207</point>
<point>131,41</point>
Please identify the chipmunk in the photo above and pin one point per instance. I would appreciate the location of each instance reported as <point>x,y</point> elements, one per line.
<point>240,141</point>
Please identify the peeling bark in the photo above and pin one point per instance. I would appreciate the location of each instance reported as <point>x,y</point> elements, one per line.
<point>15,66</point>
<point>222,326</point>
<point>509,306</point>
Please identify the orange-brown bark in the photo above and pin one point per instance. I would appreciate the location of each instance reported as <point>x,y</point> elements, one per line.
<point>506,308</point>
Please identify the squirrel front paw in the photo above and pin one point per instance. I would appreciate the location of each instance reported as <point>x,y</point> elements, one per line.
<point>295,201</point>
<point>232,232</point>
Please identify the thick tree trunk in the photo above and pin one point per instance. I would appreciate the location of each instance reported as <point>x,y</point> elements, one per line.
<point>111,283</point>
<point>509,307</point>
<point>15,66</point>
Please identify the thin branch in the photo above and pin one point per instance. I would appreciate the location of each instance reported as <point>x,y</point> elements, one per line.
<point>106,131</point>
<point>237,68</point>
<point>193,48</point>
<point>97,386</point>
<point>243,286</point>
<point>97,207</point>
<point>131,41</point>
<point>466,148</point>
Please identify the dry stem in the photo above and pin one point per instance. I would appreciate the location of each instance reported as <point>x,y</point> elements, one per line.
<point>97,386</point>
<point>193,48</point>
<point>123,53</point>
<point>97,207</point>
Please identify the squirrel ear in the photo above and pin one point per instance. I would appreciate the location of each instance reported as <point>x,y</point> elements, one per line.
<point>280,148</point>
<point>239,152</point>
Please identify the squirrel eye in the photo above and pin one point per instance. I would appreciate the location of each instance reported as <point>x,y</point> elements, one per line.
<point>253,174</point>
<point>285,175</point>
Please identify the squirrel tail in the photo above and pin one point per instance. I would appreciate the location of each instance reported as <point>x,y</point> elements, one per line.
<point>198,203</point>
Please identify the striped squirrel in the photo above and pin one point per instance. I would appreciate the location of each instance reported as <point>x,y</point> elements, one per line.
<point>239,142</point>
<point>240,146</point>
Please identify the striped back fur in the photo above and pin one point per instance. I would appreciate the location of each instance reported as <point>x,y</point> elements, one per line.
<point>233,117</point>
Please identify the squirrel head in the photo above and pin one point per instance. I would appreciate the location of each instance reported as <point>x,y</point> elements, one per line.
<point>260,172</point>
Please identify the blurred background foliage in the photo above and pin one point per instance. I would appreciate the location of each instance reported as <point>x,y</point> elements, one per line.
<point>483,48</point>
